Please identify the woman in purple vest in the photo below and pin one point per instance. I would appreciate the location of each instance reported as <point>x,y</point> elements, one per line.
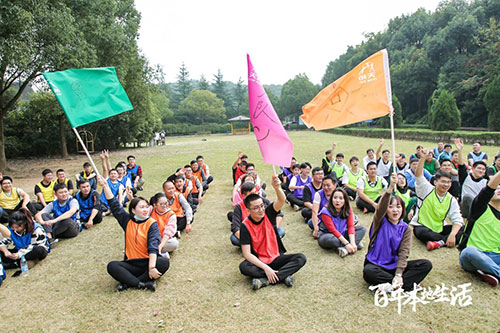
<point>390,241</point>
<point>336,228</point>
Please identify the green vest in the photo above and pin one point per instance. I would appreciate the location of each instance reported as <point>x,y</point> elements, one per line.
<point>431,167</point>
<point>330,164</point>
<point>492,167</point>
<point>432,212</point>
<point>353,179</point>
<point>405,196</point>
<point>338,170</point>
<point>485,234</point>
<point>373,192</point>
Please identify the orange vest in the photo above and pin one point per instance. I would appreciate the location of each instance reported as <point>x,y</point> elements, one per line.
<point>176,206</point>
<point>197,174</point>
<point>193,181</point>
<point>136,239</point>
<point>185,193</point>
<point>162,219</point>
<point>204,168</point>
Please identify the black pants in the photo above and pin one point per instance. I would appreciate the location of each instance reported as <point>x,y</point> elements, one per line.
<point>8,212</point>
<point>230,216</point>
<point>361,204</point>
<point>182,222</point>
<point>294,200</point>
<point>131,272</point>
<point>307,213</point>
<point>66,228</point>
<point>425,234</point>
<point>415,272</point>
<point>350,192</point>
<point>97,219</point>
<point>285,264</point>
<point>37,253</point>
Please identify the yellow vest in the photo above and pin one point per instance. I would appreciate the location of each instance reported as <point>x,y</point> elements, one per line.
<point>11,202</point>
<point>47,192</point>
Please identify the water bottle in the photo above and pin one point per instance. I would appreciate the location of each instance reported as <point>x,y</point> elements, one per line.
<point>24,267</point>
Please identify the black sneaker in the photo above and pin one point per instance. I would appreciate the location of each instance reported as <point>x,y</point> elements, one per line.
<point>122,287</point>
<point>289,281</point>
<point>53,242</point>
<point>139,188</point>
<point>259,283</point>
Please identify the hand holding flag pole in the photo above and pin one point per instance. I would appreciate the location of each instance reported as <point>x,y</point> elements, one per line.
<point>88,95</point>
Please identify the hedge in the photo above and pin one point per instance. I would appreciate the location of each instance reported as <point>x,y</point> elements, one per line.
<point>487,138</point>
<point>189,129</point>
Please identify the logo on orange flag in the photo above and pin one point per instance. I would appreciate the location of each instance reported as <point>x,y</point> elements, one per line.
<point>361,94</point>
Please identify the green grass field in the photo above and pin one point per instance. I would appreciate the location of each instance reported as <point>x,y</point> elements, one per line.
<point>204,291</point>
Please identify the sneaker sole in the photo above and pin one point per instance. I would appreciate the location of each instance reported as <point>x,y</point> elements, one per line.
<point>490,279</point>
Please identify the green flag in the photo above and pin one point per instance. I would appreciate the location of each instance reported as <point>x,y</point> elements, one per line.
<point>89,94</point>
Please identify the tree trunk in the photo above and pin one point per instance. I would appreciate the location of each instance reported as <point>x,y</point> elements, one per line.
<point>64,148</point>
<point>202,124</point>
<point>3,159</point>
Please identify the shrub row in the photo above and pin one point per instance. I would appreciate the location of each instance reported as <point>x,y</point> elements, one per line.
<point>488,138</point>
<point>189,129</point>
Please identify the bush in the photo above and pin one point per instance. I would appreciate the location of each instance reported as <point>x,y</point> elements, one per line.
<point>489,138</point>
<point>492,103</point>
<point>189,129</point>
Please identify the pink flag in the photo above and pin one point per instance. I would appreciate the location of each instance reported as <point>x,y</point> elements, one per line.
<point>274,143</point>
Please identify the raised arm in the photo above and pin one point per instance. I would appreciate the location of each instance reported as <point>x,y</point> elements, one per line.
<point>379,149</point>
<point>278,204</point>
<point>460,146</point>
<point>420,167</point>
<point>235,164</point>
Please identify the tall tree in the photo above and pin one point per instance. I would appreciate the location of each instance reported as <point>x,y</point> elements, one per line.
<point>219,88</point>
<point>492,103</point>
<point>296,93</point>
<point>203,83</point>
<point>240,95</point>
<point>444,113</point>
<point>203,106</point>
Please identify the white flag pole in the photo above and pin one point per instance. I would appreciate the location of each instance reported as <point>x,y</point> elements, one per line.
<point>86,151</point>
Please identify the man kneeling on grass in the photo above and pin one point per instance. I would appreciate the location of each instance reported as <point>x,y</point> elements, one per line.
<point>261,245</point>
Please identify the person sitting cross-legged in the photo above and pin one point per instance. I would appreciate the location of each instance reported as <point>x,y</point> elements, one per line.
<point>88,174</point>
<point>12,199</point>
<point>167,223</point>
<point>321,199</point>
<point>435,204</point>
<point>369,189</point>
<point>351,177</point>
<point>58,218</point>
<point>310,191</point>
<point>44,190</point>
<point>480,243</point>
<point>240,213</point>
<point>297,185</point>
<point>90,204</point>
<point>142,265</point>
<point>264,253</point>
<point>179,205</point>
<point>336,228</point>
<point>389,247</point>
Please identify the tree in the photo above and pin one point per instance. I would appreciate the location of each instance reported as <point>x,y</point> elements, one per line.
<point>240,95</point>
<point>296,93</point>
<point>398,115</point>
<point>220,90</point>
<point>492,104</point>
<point>36,36</point>
<point>444,113</point>
<point>203,106</point>
<point>203,84</point>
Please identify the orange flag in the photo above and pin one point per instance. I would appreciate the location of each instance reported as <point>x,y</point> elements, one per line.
<point>363,93</point>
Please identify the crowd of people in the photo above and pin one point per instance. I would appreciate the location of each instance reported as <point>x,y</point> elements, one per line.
<point>62,210</point>
<point>440,197</point>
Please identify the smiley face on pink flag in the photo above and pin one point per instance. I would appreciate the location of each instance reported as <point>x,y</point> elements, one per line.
<point>274,143</point>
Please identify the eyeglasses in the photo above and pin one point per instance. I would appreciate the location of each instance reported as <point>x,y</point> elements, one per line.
<point>163,204</point>
<point>257,208</point>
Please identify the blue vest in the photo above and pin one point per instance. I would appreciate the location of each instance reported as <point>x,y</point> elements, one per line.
<point>298,193</point>
<point>86,205</point>
<point>134,169</point>
<point>23,241</point>
<point>58,210</point>
<point>384,251</point>
<point>114,189</point>
<point>340,223</point>
<point>476,158</point>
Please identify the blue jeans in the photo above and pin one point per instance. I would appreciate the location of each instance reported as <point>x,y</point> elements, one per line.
<point>471,259</point>
<point>236,242</point>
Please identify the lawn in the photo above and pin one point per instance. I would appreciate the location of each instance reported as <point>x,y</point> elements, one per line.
<point>204,290</point>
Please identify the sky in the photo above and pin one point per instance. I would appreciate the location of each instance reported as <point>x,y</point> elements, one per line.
<point>283,38</point>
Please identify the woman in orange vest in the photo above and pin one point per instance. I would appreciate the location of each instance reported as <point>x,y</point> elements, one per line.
<point>167,223</point>
<point>143,264</point>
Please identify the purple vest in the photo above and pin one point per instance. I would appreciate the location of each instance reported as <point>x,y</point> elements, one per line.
<point>313,190</point>
<point>324,199</point>
<point>386,245</point>
<point>298,193</point>
<point>340,223</point>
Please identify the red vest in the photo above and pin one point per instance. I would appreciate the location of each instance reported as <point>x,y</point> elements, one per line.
<point>264,242</point>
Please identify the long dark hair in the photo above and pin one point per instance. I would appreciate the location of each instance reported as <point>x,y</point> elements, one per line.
<point>345,210</point>
<point>154,199</point>
<point>23,218</point>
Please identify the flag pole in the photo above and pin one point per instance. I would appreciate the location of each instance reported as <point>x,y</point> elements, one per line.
<point>86,151</point>
<point>391,116</point>
<point>274,170</point>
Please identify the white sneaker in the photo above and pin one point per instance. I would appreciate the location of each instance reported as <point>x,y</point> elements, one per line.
<point>342,252</point>
<point>360,245</point>
<point>296,208</point>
